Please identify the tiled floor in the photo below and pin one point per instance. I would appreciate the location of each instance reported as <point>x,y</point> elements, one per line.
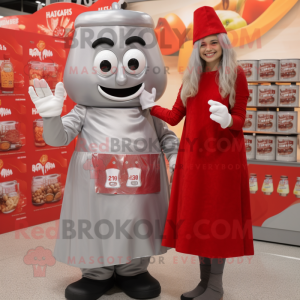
<point>273,273</point>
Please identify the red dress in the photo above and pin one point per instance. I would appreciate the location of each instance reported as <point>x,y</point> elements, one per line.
<point>209,213</point>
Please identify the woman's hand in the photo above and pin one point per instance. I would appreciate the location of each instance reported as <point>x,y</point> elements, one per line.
<point>147,100</point>
<point>220,114</point>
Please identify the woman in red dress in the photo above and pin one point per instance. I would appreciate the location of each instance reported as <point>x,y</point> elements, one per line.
<point>209,213</point>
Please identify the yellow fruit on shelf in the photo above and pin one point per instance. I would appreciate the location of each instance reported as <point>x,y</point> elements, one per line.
<point>233,5</point>
<point>231,20</point>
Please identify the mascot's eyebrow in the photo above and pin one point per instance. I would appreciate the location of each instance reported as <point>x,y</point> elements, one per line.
<point>135,39</point>
<point>103,40</point>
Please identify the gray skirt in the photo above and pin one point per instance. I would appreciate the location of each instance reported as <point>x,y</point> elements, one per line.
<point>98,230</point>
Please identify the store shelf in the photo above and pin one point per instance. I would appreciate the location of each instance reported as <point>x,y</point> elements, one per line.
<point>273,107</point>
<point>276,82</point>
<point>274,163</point>
<point>270,132</point>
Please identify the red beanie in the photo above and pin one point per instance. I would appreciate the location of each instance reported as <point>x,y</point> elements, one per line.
<point>206,22</point>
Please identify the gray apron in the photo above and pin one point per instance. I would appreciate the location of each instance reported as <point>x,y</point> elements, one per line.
<point>102,229</point>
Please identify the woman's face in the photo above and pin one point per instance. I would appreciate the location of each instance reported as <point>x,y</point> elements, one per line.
<point>211,50</point>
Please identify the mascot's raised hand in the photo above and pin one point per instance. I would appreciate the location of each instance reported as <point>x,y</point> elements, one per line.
<point>47,104</point>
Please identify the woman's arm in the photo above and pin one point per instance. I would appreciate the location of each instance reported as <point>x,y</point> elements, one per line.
<point>238,113</point>
<point>171,116</point>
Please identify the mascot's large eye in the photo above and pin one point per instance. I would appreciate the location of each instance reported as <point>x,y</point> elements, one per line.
<point>134,61</point>
<point>106,63</point>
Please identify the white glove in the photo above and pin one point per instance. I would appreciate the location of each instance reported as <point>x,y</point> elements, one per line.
<point>172,163</point>
<point>219,113</point>
<point>146,99</point>
<point>47,104</point>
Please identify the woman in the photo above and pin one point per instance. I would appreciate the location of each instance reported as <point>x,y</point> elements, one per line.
<point>209,213</point>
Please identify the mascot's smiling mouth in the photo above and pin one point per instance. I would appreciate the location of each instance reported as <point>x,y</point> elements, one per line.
<point>121,94</point>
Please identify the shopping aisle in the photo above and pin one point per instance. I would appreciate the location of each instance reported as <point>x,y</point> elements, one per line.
<point>273,273</point>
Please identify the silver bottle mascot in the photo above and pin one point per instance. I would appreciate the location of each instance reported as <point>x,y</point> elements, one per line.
<point>117,191</point>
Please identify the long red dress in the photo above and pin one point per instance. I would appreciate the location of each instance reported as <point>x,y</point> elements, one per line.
<point>209,212</point>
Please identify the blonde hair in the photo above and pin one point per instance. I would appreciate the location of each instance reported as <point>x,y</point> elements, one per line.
<point>227,71</point>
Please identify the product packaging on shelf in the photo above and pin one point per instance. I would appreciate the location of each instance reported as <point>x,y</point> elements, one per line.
<point>49,171</point>
<point>288,95</point>
<point>13,127</point>
<point>289,70</point>
<point>253,183</point>
<point>250,145</point>
<point>51,72</point>
<point>46,189</point>
<point>252,100</point>
<point>11,64</point>
<point>267,95</point>
<point>268,70</point>
<point>268,187</point>
<point>287,121</point>
<point>13,191</point>
<point>250,68</point>
<point>10,196</point>
<point>265,147</point>
<point>12,137</point>
<point>47,178</point>
<point>38,129</point>
<point>297,188</point>
<point>286,148</point>
<point>266,121</point>
<point>250,121</point>
<point>7,75</point>
<point>283,188</point>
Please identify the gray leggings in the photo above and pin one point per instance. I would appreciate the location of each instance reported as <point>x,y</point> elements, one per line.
<point>216,264</point>
<point>135,267</point>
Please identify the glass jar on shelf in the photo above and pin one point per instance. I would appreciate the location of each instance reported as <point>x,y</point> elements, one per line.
<point>11,196</point>
<point>267,187</point>
<point>36,71</point>
<point>297,188</point>
<point>253,183</point>
<point>10,138</point>
<point>7,75</point>
<point>38,129</point>
<point>38,190</point>
<point>50,75</point>
<point>59,70</point>
<point>53,188</point>
<point>283,186</point>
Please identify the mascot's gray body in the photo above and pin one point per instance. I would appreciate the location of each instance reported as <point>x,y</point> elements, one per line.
<point>105,77</point>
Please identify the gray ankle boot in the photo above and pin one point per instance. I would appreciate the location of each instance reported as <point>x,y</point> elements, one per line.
<point>201,287</point>
<point>214,289</point>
